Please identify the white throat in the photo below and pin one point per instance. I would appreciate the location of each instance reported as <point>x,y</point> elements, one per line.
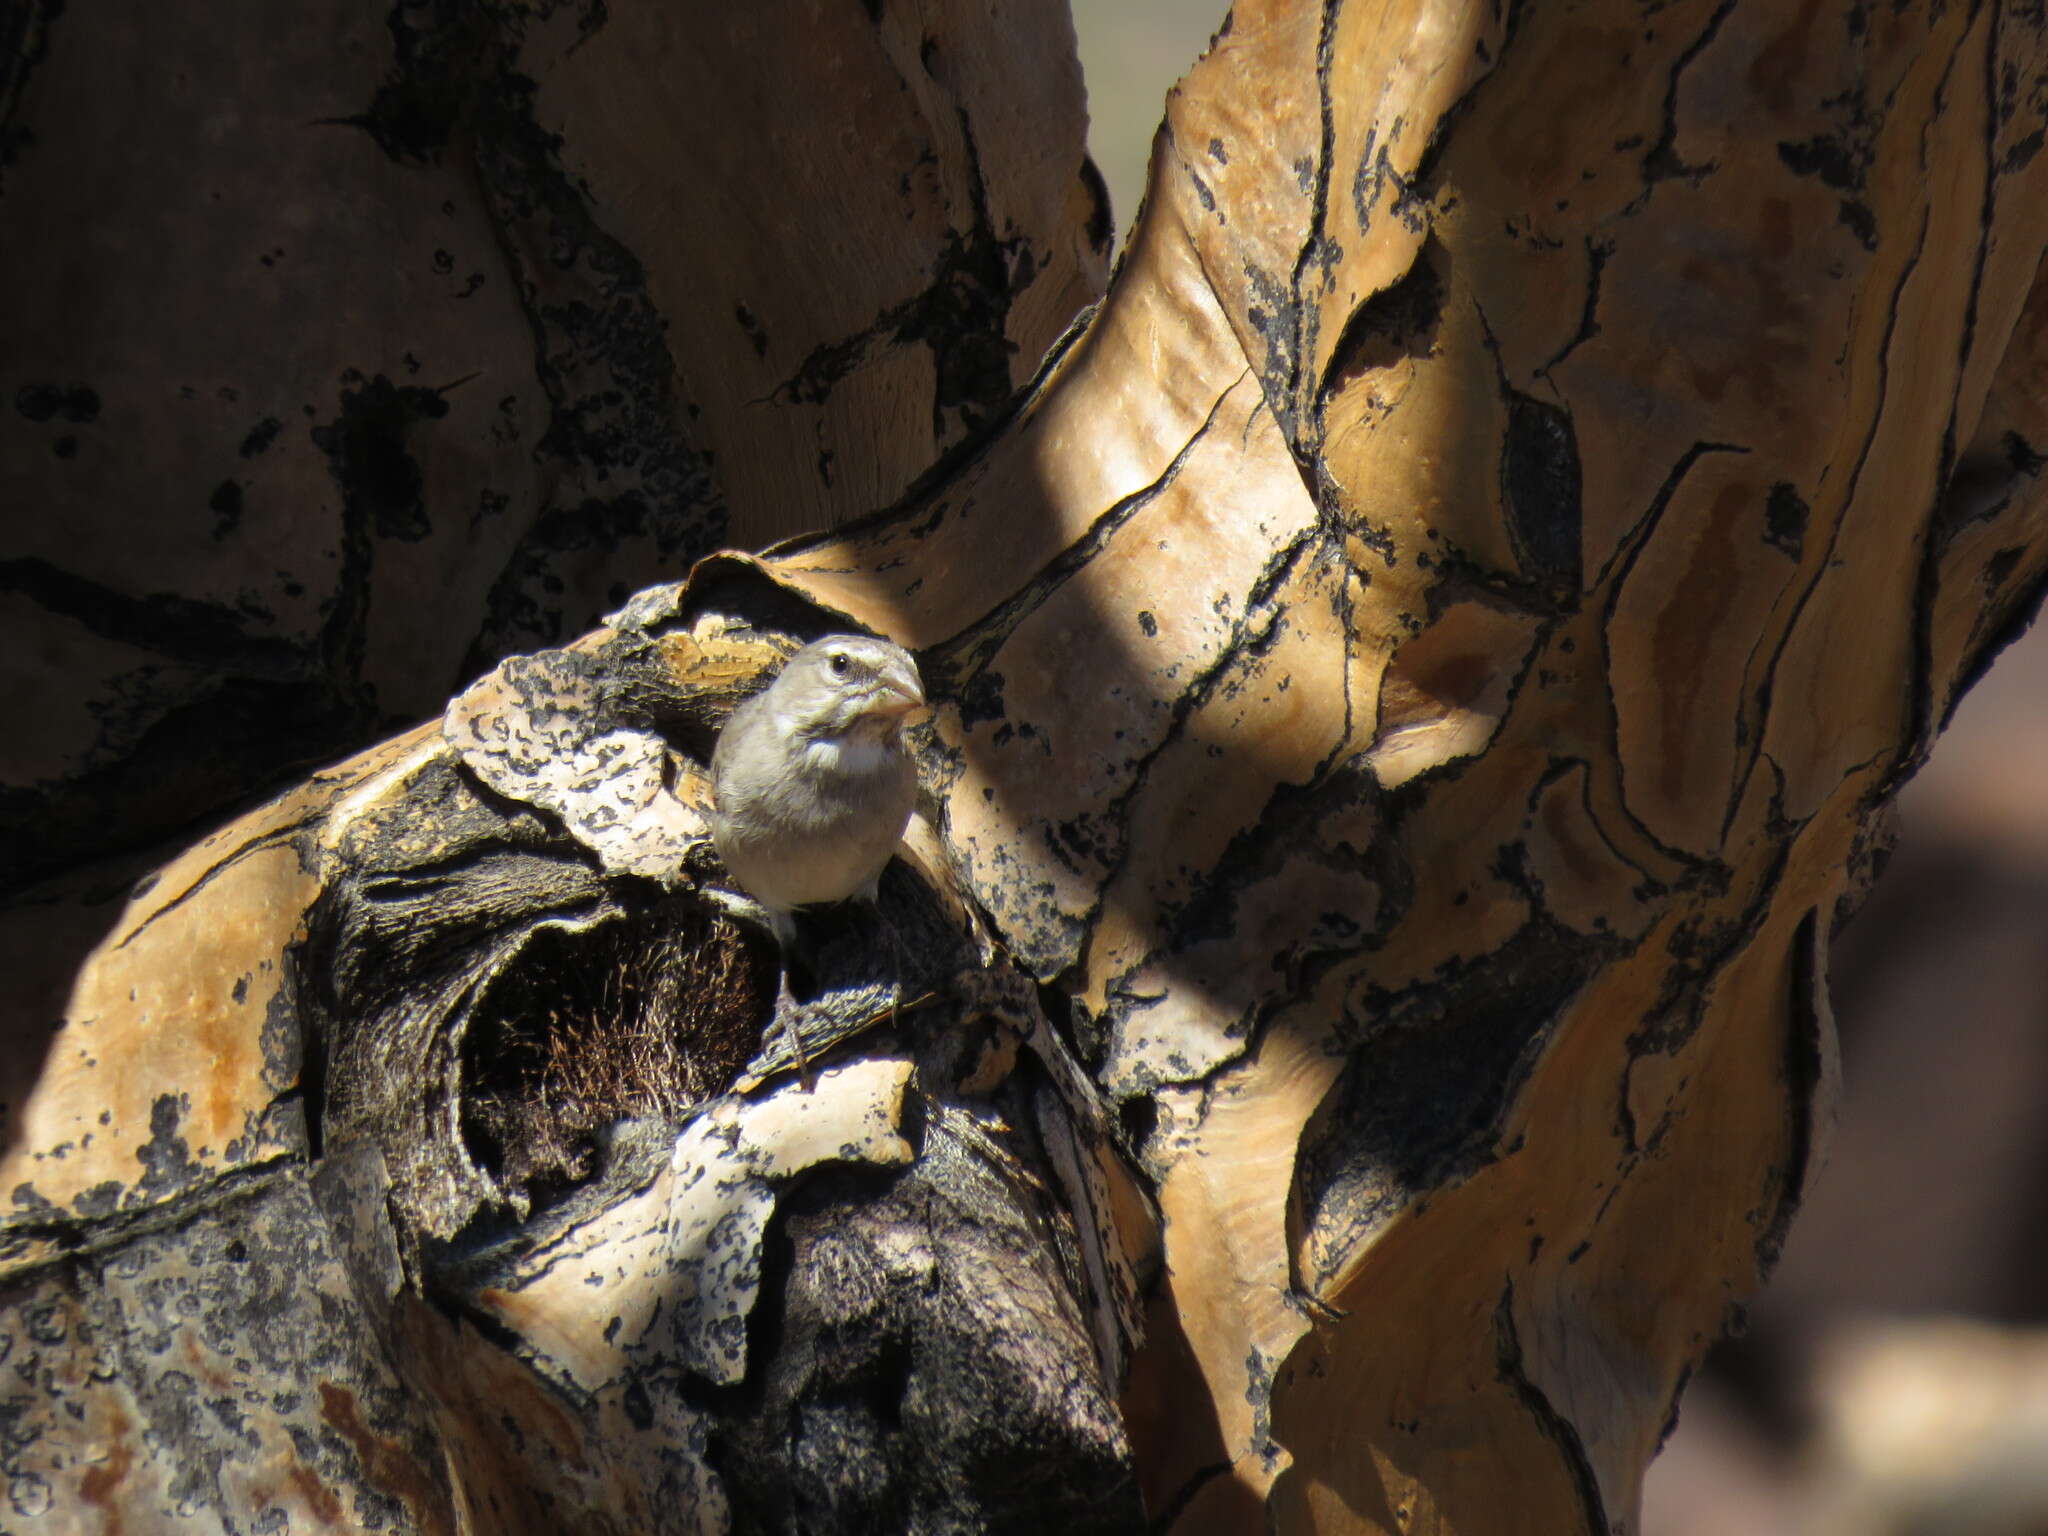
<point>855,753</point>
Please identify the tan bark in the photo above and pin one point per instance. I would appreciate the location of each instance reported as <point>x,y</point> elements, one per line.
<point>1417,676</point>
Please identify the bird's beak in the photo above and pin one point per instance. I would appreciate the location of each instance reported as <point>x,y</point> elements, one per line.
<point>902,691</point>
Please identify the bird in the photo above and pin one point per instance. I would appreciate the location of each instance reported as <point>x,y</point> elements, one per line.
<point>812,782</point>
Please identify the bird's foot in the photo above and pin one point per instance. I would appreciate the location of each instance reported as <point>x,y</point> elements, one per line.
<point>789,1012</point>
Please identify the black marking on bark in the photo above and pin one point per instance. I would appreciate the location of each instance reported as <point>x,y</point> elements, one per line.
<point>180,629</point>
<point>280,1039</point>
<point>1845,166</point>
<point>1271,316</point>
<point>1597,253</point>
<point>1293,407</point>
<point>24,44</point>
<point>1660,161</point>
<point>439,52</point>
<point>1558,768</point>
<point>750,327</point>
<point>1432,1070</point>
<point>1804,1052</point>
<point>167,1162</point>
<point>620,462</point>
<point>1842,160</point>
<point>1670,1423</point>
<point>1860,222</point>
<point>260,437</point>
<point>226,506</point>
<point>961,317</point>
<point>1785,518</point>
<point>1540,484</point>
<point>1279,835</point>
<point>1413,195</point>
<point>1254,631</point>
<point>1511,1370</point>
<point>2022,456</point>
<point>1697,953</point>
<point>100,1227</point>
<point>78,404</point>
<point>367,453</point>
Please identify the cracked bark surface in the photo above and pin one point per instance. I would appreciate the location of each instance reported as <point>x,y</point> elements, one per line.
<point>1418,675</point>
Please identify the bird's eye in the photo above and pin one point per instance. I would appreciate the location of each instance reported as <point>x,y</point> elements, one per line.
<point>840,663</point>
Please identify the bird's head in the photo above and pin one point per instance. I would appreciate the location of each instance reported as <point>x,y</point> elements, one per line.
<point>848,685</point>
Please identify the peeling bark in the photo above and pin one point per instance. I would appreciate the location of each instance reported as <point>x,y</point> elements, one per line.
<point>1418,675</point>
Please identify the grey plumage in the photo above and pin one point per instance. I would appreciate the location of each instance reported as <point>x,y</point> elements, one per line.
<point>812,781</point>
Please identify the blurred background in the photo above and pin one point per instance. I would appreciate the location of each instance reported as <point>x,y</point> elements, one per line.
<point>1893,1380</point>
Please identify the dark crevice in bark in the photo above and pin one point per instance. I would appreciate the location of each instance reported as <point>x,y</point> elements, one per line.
<point>1101,226</point>
<point>1924,726</point>
<point>1597,253</point>
<point>1295,408</point>
<point>1805,1050</point>
<point>1401,320</point>
<point>881,1398</point>
<point>1660,162</point>
<point>1540,482</point>
<point>1511,1370</point>
<point>1254,630</point>
<point>931,489</point>
<point>953,665</point>
<point>224,748</point>
<point>2015,622</point>
<point>96,1236</point>
<point>1754,720</point>
<point>1183,1496</point>
<point>1613,578</point>
<point>290,835</point>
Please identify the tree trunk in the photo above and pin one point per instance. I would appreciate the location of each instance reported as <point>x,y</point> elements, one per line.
<point>1418,674</point>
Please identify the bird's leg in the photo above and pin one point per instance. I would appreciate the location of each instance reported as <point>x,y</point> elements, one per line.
<point>786,1008</point>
